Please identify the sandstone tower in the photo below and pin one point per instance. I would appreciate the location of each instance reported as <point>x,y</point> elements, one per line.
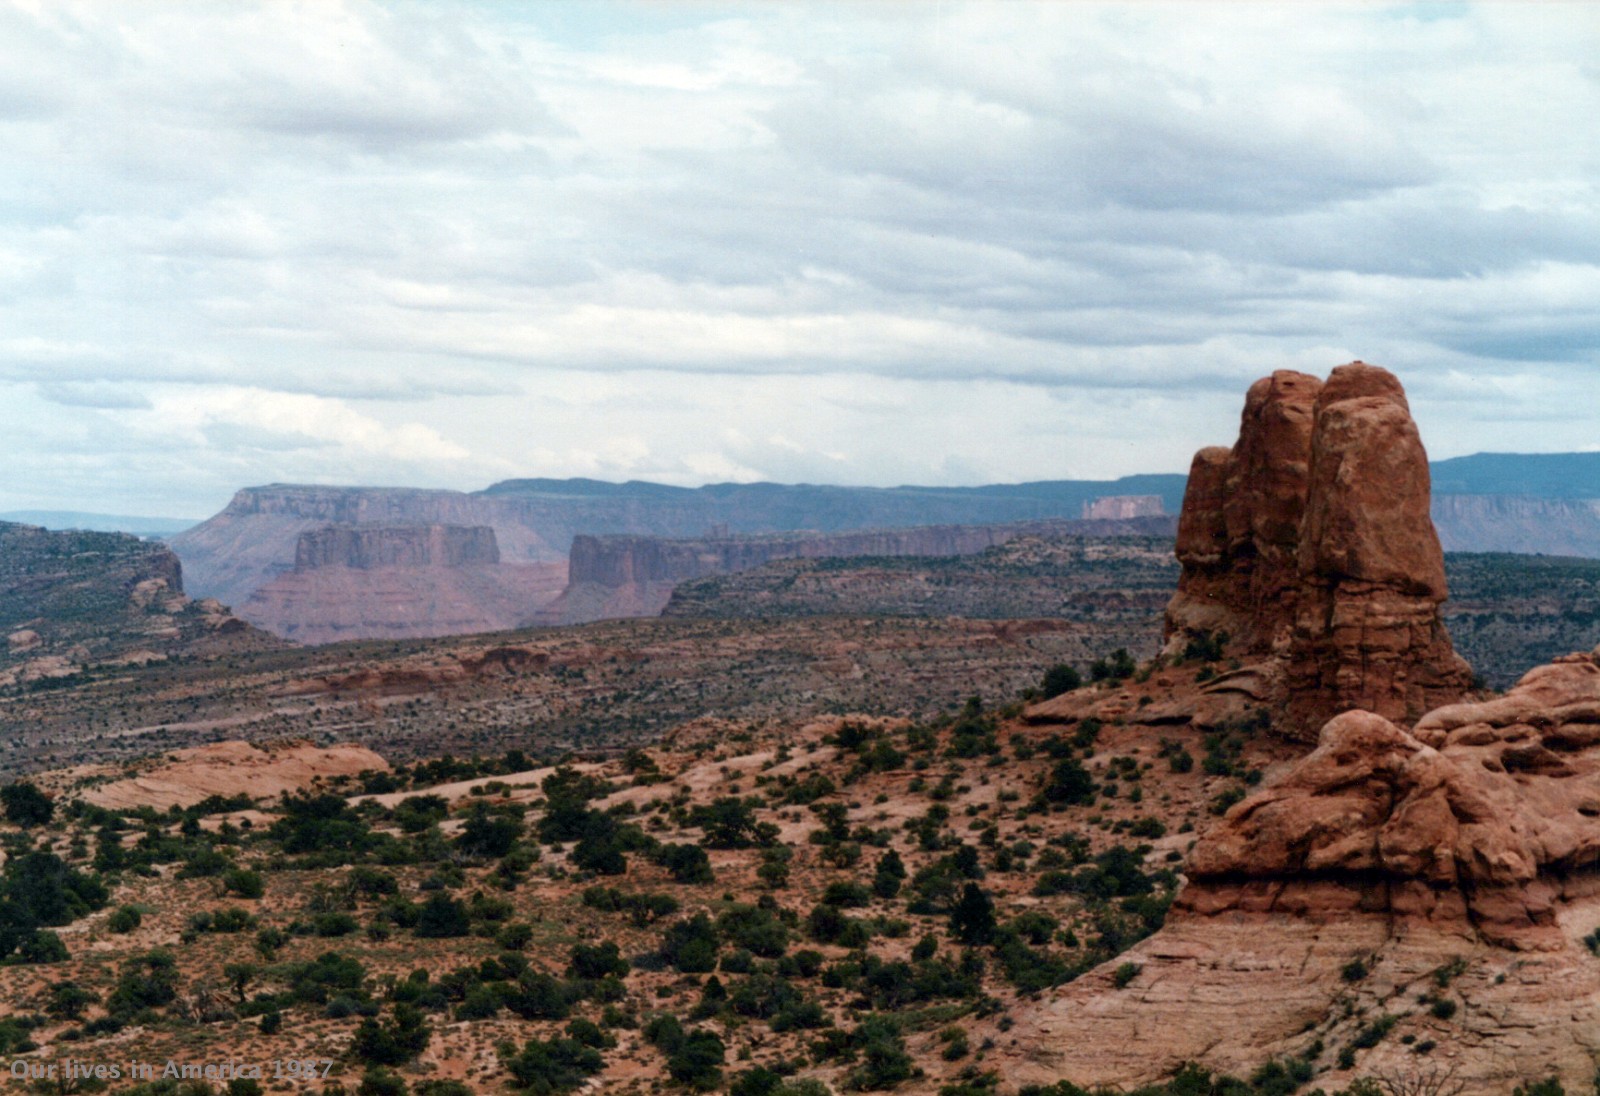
<point>1310,545</point>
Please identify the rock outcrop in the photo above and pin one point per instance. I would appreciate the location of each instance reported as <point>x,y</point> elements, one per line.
<point>264,772</point>
<point>70,600</point>
<point>1309,544</point>
<point>365,547</point>
<point>1382,868</point>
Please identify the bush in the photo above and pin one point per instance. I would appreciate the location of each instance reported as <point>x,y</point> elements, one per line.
<point>885,1062</point>
<point>42,946</point>
<point>546,1066</point>
<point>687,863</point>
<point>1059,679</point>
<point>1117,666</point>
<point>972,920</point>
<point>243,882</point>
<point>442,916</point>
<point>146,981</point>
<point>594,962</point>
<point>1069,783</point>
<point>697,1062</point>
<point>26,805</point>
<point>514,935</point>
<point>730,823</point>
<point>487,834</point>
<point>401,1039</point>
<point>691,945</point>
<point>124,919</point>
<point>890,873</point>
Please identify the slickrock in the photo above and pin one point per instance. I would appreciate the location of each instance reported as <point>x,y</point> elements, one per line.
<point>1470,845</point>
<point>233,768</point>
<point>1309,543</point>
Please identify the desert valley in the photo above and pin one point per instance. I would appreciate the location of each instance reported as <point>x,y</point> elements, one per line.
<point>1240,782</point>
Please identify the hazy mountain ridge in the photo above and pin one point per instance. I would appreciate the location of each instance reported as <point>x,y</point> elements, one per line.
<point>255,539</point>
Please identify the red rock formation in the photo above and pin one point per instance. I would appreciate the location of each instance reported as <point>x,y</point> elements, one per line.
<point>1238,535</point>
<point>1470,845</point>
<point>1367,630</point>
<point>1309,543</point>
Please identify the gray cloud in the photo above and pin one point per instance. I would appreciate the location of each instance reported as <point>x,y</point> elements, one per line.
<point>877,243</point>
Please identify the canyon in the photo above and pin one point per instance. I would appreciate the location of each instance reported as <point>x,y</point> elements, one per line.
<point>249,555</point>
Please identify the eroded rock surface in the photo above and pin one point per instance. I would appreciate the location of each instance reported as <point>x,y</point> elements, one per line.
<point>1463,855</point>
<point>187,777</point>
<point>1309,543</point>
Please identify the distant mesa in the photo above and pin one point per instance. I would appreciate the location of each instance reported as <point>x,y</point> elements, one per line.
<point>266,552</point>
<point>257,539</point>
<point>623,576</point>
<point>1122,507</point>
<point>398,581</point>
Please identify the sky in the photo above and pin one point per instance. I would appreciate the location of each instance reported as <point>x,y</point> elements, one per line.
<point>444,244</point>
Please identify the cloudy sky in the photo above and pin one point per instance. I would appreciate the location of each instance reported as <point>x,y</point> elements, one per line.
<point>444,244</point>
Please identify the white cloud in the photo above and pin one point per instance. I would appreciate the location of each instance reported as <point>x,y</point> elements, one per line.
<point>341,239</point>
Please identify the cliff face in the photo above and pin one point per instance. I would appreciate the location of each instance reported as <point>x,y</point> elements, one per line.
<point>1123,506</point>
<point>366,547</point>
<point>1518,523</point>
<point>635,576</point>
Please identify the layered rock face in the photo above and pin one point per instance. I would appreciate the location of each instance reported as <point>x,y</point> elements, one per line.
<point>367,546</point>
<point>1309,543</point>
<point>1117,507</point>
<point>1460,859</point>
<point>1239,532</point>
